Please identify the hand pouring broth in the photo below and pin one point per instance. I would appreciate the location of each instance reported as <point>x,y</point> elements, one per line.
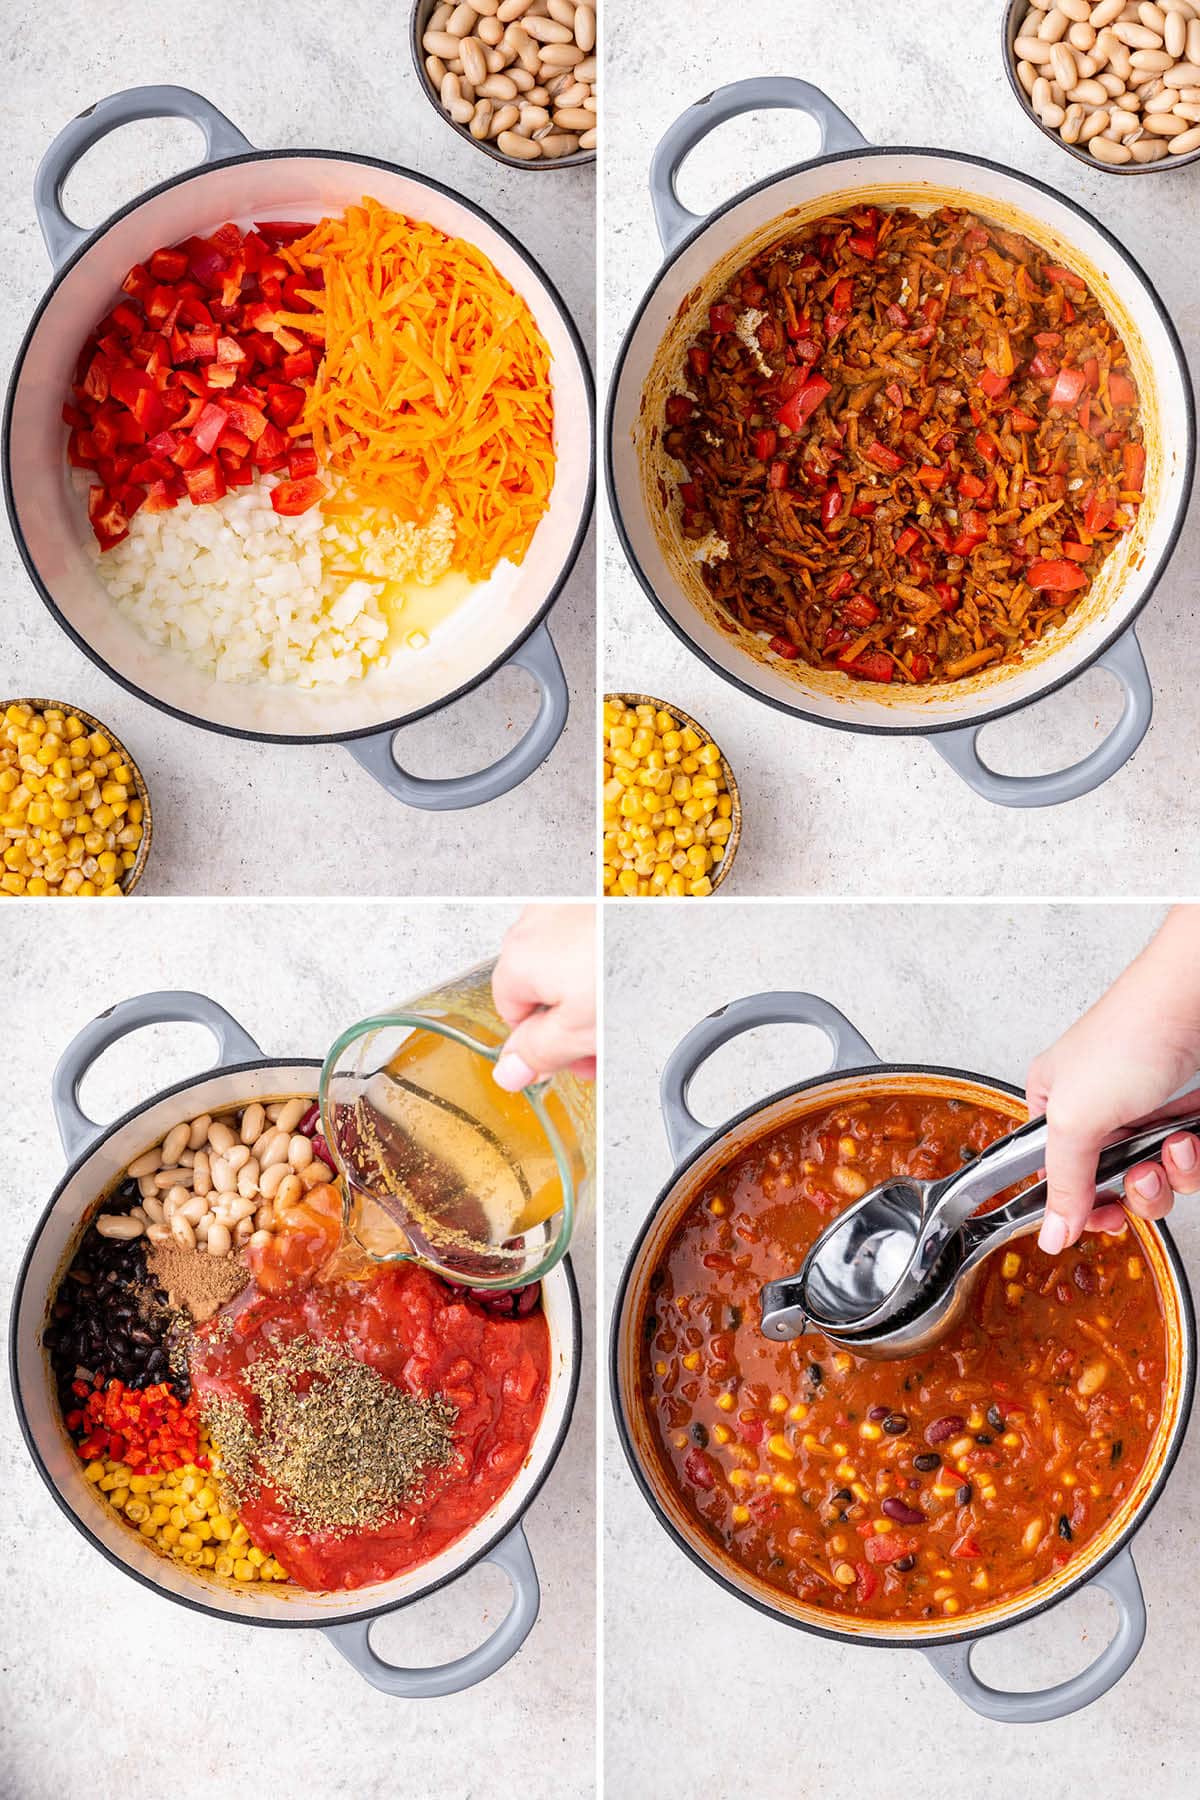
<point>257,1398</point>
<point>909,1489</point>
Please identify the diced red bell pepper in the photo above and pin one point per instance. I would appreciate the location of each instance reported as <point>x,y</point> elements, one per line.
<point>301,463</point>
<point>784,647</point>
<point>889,1549</point>
<point>679,409</point>
<point>292,497</point>
<point>1056,576</point>
<point>1098,513</point>
<point>861,610</point>
<point>208,427</point>
<point>721,319</point>
<point>872,665</point>
<point>1068,388</point>
<point>1133,459</point>
<point>803,403</point>
<point>883,457</point>
<point>205,482</point>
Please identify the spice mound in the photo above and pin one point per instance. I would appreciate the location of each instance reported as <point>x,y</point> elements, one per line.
<point>343,1448</point>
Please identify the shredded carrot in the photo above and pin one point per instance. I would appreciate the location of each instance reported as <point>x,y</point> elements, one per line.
<point>435,381</point>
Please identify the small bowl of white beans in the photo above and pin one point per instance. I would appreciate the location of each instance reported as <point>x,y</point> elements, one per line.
<point>1115,82</point>
<point>516,78</point>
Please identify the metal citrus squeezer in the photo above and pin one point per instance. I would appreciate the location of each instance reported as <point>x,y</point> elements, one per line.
<point>893,1273</point>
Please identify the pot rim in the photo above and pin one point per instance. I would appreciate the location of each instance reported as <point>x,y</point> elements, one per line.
<point>320,737</point>
<point>201,1606</point>
<point>914,1641</point>
<point>1149,578</point>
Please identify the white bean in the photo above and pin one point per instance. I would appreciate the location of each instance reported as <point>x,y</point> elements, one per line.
<point>183,1233</point>
<point>1106,150</point>
<point>119,1225</point>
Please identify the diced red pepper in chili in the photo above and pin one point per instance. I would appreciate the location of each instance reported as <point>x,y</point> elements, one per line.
<point>1059,577</point>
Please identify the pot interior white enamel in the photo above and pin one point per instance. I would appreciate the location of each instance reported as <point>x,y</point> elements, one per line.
<point>652,363</point>
<point>61,1467</point>
<point>639,1433</point>
<point>51,518</point>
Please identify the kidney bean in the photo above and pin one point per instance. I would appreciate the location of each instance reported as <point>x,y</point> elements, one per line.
<point>903,1515</point>
<point>941,1429</point>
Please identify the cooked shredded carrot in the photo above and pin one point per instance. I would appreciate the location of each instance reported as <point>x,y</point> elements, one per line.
<point>435,382</point>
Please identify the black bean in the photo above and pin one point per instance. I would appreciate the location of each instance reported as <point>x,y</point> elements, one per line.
<point>896,1424</point>
<point>963,1496</point>
<point>928,1459</point>
<point>904,1563</point>
<point>1064,1527</point>
<point>995,1418</point>
<point>700,1434</point>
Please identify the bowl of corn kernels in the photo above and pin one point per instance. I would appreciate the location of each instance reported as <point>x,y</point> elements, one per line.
<point>74,807</point>
<point>671,808</point>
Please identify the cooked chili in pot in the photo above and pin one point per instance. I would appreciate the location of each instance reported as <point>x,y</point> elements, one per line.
<point>909,443</point>
<point>914,1489</point>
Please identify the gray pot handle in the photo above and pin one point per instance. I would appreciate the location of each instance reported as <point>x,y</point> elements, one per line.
<point>539,658</point>
<point>75,1129</point>
<point>221,138</point>
<point>673,219</point>
<point>1123,659</point>
<point>684,1130</point>
<point>1120,1582</point>
<point>354,1638</point>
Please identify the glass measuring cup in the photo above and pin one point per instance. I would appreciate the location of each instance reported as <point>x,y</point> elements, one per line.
<point>442,1167</point>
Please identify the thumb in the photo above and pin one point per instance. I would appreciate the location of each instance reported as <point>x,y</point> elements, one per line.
<point>1070,1189</point>
<point>541,1045</point>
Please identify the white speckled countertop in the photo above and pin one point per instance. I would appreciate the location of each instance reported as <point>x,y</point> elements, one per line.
<point>247,818</point>
<point>827,812</point>
<point>105,1684</point>
<point>731,1701</point>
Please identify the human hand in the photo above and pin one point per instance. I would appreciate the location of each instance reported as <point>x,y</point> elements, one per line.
<point>1120,1062</point>
<point>544,987</point>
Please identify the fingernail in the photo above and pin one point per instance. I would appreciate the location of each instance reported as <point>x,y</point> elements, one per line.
<point>1183,1153</point>
<point>1053,1236</point>
<point>1149,1185</point>
<point>513,1073</point>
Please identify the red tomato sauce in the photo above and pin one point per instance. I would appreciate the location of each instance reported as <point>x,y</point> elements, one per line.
<point>915,1488</point>
<point>409,1327</point>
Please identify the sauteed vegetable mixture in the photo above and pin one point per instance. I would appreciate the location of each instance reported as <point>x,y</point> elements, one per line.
<point>909,442</point>
<point>911,1489</point>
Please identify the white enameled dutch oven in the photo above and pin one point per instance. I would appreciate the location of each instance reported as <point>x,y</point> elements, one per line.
<point>702,254</point>
<point>98,1155</point>
<point>699,1152</point>
<point>502,621</point>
